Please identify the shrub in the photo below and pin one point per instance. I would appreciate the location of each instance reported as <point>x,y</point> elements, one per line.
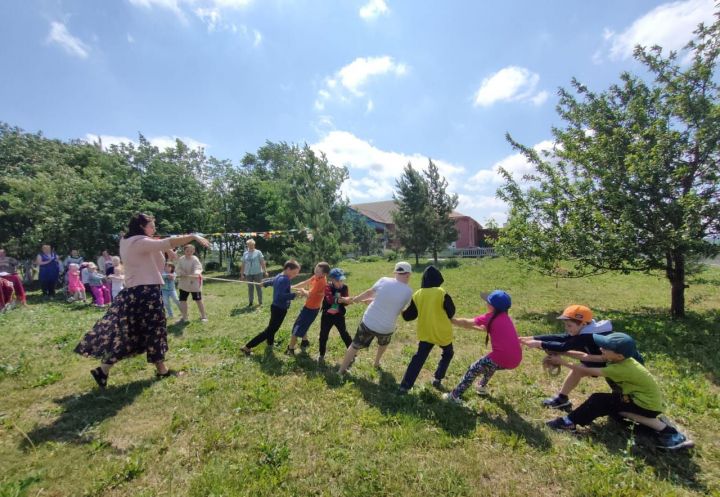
<point>212,266</point>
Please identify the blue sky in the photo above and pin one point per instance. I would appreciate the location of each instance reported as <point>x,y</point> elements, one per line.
<point>372,83</point>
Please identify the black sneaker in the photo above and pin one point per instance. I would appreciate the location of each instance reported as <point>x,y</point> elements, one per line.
<point>561,425</point>
<point>673,441</point>
<point>437,384</point>
<point>304,345</point>
<point>557,402</point>
<point>289,351</point>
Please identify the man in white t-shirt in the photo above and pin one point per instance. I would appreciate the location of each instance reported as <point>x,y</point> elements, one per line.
<point>388,297</point>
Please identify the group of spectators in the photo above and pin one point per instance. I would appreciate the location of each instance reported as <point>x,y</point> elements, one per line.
<point>52,272</point>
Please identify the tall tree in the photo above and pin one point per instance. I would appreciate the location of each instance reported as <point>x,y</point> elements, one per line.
<point>413,211</point>
<point>441,205</point>
<point>632,182</point>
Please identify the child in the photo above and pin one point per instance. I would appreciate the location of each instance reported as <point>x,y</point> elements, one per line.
<point>168,289</point>
<point>84,275</point>
<point>100,293</point>
<point>282,296</point>
<point>333,311</point>
<point>579,329</point>
<point>506,351</point>
<point>76,289</point>
<point>434,309</point>
<point>317,283</point>
<point>638,398</point>
<point>116,277</point>
<point>189,272</point>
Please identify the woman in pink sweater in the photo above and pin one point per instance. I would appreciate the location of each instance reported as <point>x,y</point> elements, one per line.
<point>135,322</point>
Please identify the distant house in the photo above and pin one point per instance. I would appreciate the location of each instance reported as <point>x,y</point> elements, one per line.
<point>379,216</point>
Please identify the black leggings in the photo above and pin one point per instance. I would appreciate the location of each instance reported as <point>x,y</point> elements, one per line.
<point>277,316</point>
<point>327,321</point>
<point>48,287</point>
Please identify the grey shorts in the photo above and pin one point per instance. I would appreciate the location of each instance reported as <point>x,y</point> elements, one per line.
<point>364,337</point>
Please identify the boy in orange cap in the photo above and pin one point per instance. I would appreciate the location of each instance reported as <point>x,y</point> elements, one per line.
<point>579,330</point>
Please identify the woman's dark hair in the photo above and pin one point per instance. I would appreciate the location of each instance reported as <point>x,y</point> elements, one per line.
<point>137,224</point>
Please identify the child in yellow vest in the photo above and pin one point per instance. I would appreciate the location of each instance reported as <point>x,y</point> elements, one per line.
<point>433,308</point>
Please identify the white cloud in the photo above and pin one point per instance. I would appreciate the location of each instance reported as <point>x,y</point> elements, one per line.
<point>71,44</point>
<point>373,9</point>
<point>516,164</point>
<point>510,84</point>
<point>373,171</point>
<point>213,13</point>
<point>130,38</point>
<point>350,81</point>
<point>669,25</point>
<point>161,142</point>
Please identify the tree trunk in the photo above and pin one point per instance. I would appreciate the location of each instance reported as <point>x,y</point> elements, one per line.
<point>676,274</point>
<point>435,256</point>
<point>417,259</point>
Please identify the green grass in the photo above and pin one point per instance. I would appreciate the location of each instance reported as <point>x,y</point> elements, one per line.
<point>273,425</point>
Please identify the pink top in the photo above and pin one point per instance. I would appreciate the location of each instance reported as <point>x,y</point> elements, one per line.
<point>74,283</point>
<point>506,351</point>
<point>143,259</point>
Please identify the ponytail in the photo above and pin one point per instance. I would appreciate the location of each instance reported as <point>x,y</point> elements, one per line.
<point>496,313</point>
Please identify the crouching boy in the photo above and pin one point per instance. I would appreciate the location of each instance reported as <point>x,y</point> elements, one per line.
<point>638,399</point>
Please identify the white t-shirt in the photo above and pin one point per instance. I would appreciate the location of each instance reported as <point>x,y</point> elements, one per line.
<point>391,297</point>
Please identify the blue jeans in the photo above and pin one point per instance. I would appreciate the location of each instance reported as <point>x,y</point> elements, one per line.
<point>167,297</point>
<point>417,361</point>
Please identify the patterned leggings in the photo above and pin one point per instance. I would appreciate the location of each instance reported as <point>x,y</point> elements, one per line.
<point>484,366</point>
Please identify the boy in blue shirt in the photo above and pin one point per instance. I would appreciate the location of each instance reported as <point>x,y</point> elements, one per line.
<point>282,297</point>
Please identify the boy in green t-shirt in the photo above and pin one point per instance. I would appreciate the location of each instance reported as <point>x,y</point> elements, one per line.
<point>639,398</point>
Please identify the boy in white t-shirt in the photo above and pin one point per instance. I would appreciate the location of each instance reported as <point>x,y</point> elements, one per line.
<point>388,297</point>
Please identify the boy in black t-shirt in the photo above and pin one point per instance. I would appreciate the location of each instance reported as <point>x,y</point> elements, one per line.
<point>333,311</point>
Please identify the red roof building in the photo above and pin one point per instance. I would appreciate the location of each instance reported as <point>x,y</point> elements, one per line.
<point>379,216</point>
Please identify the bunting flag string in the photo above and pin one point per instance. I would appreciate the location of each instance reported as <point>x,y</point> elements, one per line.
<point>266,235</point>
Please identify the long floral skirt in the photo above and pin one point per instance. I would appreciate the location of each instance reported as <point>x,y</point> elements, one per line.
<point>134,323</point>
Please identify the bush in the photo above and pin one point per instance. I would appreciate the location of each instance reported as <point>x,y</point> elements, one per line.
<point>450,263</point>
<point>369,258</point>
<point>213,266</point>
<point>391,255</point>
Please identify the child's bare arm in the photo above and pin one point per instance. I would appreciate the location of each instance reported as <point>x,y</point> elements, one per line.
<point>584,370</point>
<point>464,322</point>
<point>301,284</point>
<point>576,354</point>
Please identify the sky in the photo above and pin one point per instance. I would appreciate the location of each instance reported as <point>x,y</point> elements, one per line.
<point>374,84</point>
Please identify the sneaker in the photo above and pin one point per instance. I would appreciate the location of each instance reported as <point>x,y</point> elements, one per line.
<point>557,402</point>
<point>289,351</point>
<point>673,441</point>
<point>304,345</point>
<point>449,397</point>
<point>561,425</point>
<point>204,320</point>
<point>246,351</point>
<point>321,360</point>
<point>482,391</point>
<point>402,391</point>
<point>437,384</point>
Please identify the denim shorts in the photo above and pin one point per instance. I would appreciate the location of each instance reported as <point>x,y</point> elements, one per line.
<point>364,337</point>
<point>303,321</point>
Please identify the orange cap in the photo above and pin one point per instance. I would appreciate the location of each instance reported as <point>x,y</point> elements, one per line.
<point>577,312</point>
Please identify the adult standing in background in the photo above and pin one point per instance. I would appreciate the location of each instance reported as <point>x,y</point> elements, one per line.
<point>8,265</point>
<point>49,264</point>
<point>105,263</point>
<point>252,269</point>
<point>188,270</point>
<point>73,258</point>
<point>135,322</point>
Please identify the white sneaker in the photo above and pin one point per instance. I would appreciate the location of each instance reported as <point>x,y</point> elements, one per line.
<point>204,320</point>
<point>452,399</point>
<point>482,391</point>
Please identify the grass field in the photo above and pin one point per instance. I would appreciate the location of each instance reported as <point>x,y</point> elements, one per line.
<point>274,425</point>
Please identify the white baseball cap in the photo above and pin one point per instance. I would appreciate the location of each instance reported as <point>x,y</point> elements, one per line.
<point>403,267</point>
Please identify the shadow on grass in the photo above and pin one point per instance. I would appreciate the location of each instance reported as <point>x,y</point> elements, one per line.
<point>178,328</point>
<point>677,467</point>
<point>82,412</point>
<point>688,339</point>
<point>245,309</point>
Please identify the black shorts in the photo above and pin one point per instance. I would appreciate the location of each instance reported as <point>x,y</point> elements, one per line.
<point>184,295</point>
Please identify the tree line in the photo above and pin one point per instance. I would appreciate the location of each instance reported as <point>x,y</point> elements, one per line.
<point>79,195</point>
